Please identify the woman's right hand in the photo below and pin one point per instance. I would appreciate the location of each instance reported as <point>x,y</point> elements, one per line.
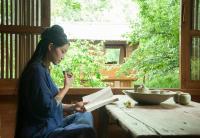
<point>68,79</point>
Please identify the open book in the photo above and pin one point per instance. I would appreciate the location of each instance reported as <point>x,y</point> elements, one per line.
<point>99,99</point>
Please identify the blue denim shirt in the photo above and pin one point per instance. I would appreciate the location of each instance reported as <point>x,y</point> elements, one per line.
<point>40,113</point>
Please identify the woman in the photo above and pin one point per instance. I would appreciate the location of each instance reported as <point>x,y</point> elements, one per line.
<point>40,108</point>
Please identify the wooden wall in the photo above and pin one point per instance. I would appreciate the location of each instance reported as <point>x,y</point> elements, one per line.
<point>7,116</point>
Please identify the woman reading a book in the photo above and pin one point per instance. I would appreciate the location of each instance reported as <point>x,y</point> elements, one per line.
<point>40,108</point>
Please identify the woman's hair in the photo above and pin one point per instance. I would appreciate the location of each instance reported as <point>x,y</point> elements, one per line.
<point>54,35</point>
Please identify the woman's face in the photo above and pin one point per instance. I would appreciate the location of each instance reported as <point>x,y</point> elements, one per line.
<point>56,54</point>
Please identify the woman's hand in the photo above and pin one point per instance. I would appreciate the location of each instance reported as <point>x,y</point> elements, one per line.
<point>68,79</point>
<point>79,106</point>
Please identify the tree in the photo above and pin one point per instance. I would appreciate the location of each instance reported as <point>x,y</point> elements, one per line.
<point>92,11</point>
<point>157,33</point>
<point>84,59</point>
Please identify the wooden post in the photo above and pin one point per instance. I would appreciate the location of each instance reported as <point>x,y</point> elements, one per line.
<point>45,14</point>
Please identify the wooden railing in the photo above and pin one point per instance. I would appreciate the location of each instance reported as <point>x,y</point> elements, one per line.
<point>121,80</point>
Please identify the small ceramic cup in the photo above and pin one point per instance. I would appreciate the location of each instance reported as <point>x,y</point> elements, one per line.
<point>177,97</point>
<point>185,98</point>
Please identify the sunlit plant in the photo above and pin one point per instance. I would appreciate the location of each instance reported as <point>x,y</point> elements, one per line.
<point>84,59</point>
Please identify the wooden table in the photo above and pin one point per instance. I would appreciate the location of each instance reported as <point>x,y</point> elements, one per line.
<point>165,120</point>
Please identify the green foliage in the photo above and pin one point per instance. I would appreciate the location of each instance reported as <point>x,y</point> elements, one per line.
<point>78,10</point>
<point>169,80</point>
<point>91,11</point>
<point>112,55</point>
<point>84,59</point>
<point>157,33</point>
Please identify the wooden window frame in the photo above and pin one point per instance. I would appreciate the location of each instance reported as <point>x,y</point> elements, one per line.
<point>185,46</point>
<point>23,21</point>
<point>117,45</point>
<point>185,41</point>
<point>188,85</point>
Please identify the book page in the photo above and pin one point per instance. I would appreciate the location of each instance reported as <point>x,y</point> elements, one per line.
<point>99,99</point>
<point>98,104</point>
<point>98,96</point>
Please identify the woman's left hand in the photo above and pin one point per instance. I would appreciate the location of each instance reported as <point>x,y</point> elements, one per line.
<point>79,106</point>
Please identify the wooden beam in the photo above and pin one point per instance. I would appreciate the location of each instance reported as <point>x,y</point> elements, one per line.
<point>13,29</point>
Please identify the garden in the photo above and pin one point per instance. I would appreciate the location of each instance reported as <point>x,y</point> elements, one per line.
<point>155,32</point>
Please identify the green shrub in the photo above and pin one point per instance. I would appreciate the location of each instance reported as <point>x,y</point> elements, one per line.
<point>157,33</point>
<point>84,59</point>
